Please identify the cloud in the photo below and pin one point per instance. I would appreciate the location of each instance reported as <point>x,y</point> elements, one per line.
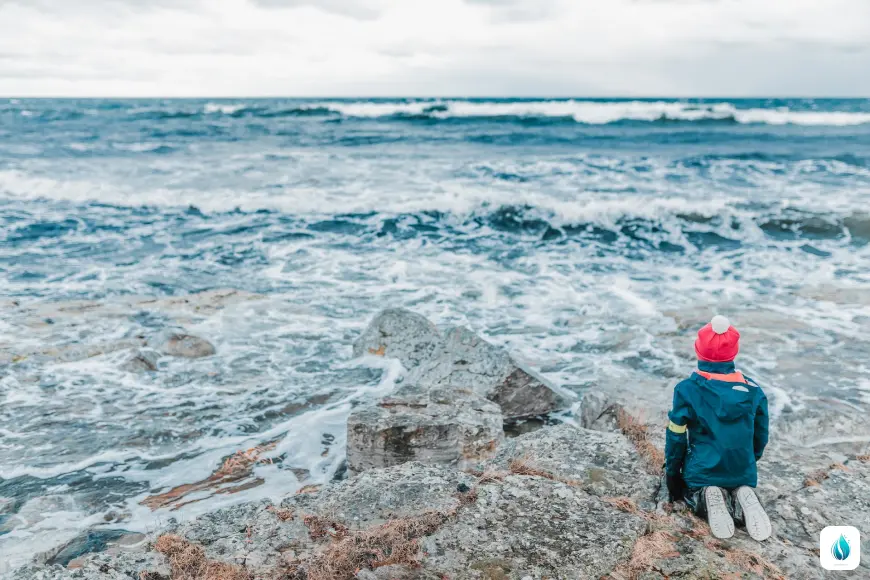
<point>50,6</point>
<point>433,47</point>
<point>362,9</point>
<point>517,10</point>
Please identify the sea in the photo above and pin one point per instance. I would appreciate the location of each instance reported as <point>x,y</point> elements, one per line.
<point>590,237</point>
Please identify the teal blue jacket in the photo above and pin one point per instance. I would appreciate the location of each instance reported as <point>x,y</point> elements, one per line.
<point>718,428</point>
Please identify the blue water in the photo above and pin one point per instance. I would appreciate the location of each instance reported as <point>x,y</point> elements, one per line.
<point>591,237</point>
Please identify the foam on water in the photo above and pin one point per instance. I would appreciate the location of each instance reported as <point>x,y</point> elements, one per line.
<point>589,112</point>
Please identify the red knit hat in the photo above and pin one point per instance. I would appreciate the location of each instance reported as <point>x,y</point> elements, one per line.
<point>718,341</point>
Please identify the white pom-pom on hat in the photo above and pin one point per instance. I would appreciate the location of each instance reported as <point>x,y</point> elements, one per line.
<point>720,324</point>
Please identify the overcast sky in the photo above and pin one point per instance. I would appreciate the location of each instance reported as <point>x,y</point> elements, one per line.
<point>434,47</point>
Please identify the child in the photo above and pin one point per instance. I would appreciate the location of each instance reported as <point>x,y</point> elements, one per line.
<point>723,414</point>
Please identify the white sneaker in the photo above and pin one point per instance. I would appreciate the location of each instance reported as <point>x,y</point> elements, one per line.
<point>757,522</point>
<point>721,524</point>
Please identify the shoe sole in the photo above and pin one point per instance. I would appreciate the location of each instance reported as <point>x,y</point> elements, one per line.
<point>757,522</point>
<point>721,524</point>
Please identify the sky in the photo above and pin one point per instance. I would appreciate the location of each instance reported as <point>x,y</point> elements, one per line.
<point>236,48</point>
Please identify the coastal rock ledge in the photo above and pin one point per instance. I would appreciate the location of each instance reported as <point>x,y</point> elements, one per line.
<point>561,502</point>
<point>436,492</point>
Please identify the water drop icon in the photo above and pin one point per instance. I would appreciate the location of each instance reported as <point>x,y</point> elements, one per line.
<point>841,549</point>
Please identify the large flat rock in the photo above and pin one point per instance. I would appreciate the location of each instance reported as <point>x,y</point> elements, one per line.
<point>373,497</point>
<point>416,424</point>
<point>604,464</point>
<point>532,527</point>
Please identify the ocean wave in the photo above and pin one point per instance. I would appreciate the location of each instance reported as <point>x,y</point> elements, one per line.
<point>577,111</point>
<point>662,224</point>
<point>549,111</point>
<point>667,228</point>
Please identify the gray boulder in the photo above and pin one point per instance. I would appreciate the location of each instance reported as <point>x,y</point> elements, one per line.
<point>416,424</point>
<point>399,333</point>
<point>143,360</point>
<point>466,361</point>
<point>180,344</point>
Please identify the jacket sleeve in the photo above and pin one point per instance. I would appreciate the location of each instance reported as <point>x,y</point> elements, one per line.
<point>762,420</point>
<point>676,438</point>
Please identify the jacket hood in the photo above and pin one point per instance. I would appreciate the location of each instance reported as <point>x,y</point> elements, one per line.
<point>730,401</point>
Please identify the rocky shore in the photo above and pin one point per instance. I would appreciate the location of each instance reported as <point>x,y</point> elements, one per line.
<point>436,490</point>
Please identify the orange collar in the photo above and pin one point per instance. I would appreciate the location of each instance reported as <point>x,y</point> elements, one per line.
<point>735,377</point>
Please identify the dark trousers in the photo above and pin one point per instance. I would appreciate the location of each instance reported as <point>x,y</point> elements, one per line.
<point>694,498</point>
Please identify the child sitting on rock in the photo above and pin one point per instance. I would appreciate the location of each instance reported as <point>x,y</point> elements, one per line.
<point>717,432</point>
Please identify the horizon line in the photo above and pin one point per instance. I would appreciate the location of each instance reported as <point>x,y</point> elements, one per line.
<point>441,97</point>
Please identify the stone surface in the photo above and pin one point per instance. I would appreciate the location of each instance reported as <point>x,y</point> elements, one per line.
<point>143,360</point>
<point>841,496</point>
<point>532,526</point>
<point>415,424</point>
<point>466,361</point>
<point>598,412</point>
<point>117,566</point>
<point>375,496</point>
<point>181,344</point>
<point>401,334</point>
<point>603,464</point>
<point>250,534</point>
<point>85,543</point>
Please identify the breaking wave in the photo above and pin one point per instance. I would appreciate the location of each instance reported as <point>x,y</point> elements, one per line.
<point>585,112</point>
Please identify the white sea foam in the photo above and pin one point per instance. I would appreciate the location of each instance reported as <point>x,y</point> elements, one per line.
<point>113,456</point>
<point>595,112</point>
<point>223,108</point>
<point>562,203</point>
<point>39,525</point>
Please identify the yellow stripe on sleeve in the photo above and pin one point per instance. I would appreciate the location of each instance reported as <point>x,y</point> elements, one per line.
<point>676,428</point>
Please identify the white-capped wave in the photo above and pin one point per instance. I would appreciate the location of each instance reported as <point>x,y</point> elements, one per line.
<point>597,112</point>
<point>223,108</point>
<point>465,201</point>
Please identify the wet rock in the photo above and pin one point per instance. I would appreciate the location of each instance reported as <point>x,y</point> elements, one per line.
<point>185,345</point>
<point>416,424</point>
<point>90,541</point>
<point>517,427</point>
<point>399,333</point>
<point>107,566</point>
<point>7,505</point>
<point>64,353</point>
<point>233,476</point>
<point>341,472</point>
<point>597,411</point>
<point>301,473</point>
<point>144,360</point>
<point>466,361</point>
